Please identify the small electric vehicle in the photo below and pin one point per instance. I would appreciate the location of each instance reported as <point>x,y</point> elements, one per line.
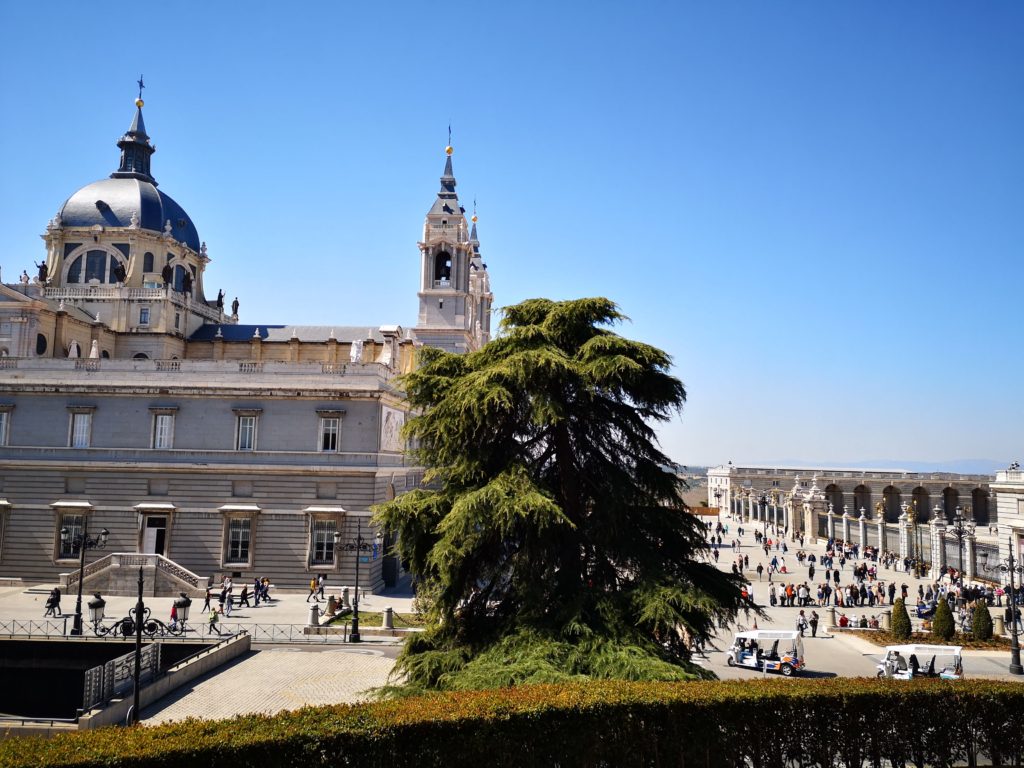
<point>905,662</point>
<point>767,650</point>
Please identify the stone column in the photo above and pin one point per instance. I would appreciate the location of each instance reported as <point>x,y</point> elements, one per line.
<point>862,530</point>
<point>775,516</point>
<point>830,523</point>
<point>750,507</point>
<point>970,567</point>
<point>904,527</point>
<point>846,525</point>
<point>937,534</point>
<point>881,531</point>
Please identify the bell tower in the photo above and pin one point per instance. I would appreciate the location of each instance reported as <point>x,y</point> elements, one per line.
<point>447,316</point>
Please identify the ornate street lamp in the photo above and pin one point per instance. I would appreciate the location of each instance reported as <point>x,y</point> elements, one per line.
<point>960,530</point>
<point>1013,568</point>
<point>718,498</point>
<point>82,542</point>
<point>357,545</point>
<point>763,500</point>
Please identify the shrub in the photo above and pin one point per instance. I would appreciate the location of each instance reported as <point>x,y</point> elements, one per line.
<point>981,623</point>
<point>943,626</point>
<point>618,723</point>
<point>900,620</point>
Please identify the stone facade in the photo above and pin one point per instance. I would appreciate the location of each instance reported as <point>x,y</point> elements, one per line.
<point>132,402</point>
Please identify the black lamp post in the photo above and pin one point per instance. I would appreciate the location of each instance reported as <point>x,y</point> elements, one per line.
<point>357,545</point>
<point>82,542</point>
<point>1012,567</point>
<point>960,530</point>
<point>718,499</point>
<point>764,514</point>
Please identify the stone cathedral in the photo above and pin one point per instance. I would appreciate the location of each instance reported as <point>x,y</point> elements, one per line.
<point>133,400</point>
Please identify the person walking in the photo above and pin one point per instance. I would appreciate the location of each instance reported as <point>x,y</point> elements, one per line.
<point>209,594</point>
<point>243,599</point>
<point>53,603</point>
<point>321,582</point>
<point>174,616</point>
<point>813,621</point>
<point>801,623</point>
<point>312,591</point>
<point>760,570</point>
<point>212,619</point>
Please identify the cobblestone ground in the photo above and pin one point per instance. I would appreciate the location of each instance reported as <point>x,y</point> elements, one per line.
<point>273,680</point>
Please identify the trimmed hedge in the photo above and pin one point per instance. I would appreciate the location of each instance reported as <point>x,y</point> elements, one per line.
<point>981,622</point>
<point>943,625</point>
<point>900,620</point>
<point>758,722</point>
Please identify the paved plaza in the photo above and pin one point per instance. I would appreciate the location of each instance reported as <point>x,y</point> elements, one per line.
<point>275,679</point>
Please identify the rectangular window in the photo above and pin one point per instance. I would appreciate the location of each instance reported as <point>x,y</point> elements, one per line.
<point>177,320</point>
<point>81,427</point>
<point>323,542</point>
<point>75,525</point>
<point>330,430</point>
<point>246,433</point>
<point>239,529</point>
<point>143,315</point>
<point>5,418</point>
<point>163,431</point>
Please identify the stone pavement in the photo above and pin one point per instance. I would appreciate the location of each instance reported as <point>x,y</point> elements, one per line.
<point>28,603</point>
<point>830,654</point>
<point>276,679</point>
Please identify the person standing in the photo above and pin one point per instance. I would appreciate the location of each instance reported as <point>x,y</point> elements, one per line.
<point>813,621</point>
<point>801,623</point>
<point>321,582</point>
<point>312,591</point>
<point>174,616</point>
<point>760,570</point>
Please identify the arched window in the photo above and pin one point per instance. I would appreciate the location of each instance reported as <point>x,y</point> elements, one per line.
<point>41,344</point>
<point>147,262</point>
<point>105,355</point>
<point>140,356</point>
<point>94,265</point>
<point>443,267</point>
<point>179,278</point>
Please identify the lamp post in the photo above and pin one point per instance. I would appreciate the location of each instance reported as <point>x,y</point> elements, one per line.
<point>82,542</point>
<point>960,530</point>
<point>357,545</point>
<point>764,514</point>
<point>718,499</point>
<point>1013,568</point>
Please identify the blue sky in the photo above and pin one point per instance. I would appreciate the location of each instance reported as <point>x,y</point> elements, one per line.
<point>816,208</point>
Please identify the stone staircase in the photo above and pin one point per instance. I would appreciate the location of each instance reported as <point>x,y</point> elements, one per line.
<point>118,574</point>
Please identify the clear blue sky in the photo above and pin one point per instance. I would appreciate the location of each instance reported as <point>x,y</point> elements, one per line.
<point>816,208</point>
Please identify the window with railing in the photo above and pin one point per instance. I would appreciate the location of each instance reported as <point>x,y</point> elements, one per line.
<point>239,532</point>
<point>322,542</point>
<point>69,545</point>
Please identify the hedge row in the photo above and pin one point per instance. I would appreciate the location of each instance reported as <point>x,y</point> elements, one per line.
<point>760,723</point>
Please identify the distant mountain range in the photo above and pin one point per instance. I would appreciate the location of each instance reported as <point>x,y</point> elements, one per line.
<point>962,466</point>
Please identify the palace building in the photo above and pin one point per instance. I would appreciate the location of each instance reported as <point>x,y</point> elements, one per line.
<point>132,400</point>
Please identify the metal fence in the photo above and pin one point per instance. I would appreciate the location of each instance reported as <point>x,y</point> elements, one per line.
<point>281,633</point>
<point>116,677</point>
<point>261,633</point>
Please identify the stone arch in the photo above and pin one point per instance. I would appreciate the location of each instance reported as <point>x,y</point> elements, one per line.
<point>979,506</point>
<point>891,499</point>
<point>443,266</point>
<point>862,500</point>
<point>92,262</point>
<point>950,501</point>
<point>140,356</point>
<point>922,501</point>
<point>834,496</point>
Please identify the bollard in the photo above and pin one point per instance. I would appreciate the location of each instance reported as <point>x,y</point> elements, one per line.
<point>314,615</point>
<point>332,605</point>
<point>830,618</point>
<point>387,619</point>
<point>886,620</point>
<point>998,626</point>
<point>345,602</point>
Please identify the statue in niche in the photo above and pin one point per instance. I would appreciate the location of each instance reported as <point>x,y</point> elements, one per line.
<point>43,272</point>
<point>220,300</point>
<point>94,351</point>
<point>167,273</point>
<point>234,307</point>
<point>355,354</point>
<point>74,350</point>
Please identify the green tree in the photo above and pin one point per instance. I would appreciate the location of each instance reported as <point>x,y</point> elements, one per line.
<point>981,622</point>
<point>900,620</point>
<point>943,626</point>
<point>550,541</point>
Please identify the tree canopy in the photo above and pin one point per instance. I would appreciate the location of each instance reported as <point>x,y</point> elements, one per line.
<point>550,541</point>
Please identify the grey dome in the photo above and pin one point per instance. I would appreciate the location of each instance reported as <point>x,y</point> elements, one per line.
<point>111,203</point>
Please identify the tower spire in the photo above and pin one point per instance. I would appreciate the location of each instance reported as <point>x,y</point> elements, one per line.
<point>136,149</point>
<point>447,199</point>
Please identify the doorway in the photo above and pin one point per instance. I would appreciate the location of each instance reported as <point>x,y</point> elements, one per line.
<point>154,535</point>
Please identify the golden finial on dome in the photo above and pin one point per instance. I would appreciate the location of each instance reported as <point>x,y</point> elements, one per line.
<point>473,218</point>
<point>140,103</point>
<point>448,150</point>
